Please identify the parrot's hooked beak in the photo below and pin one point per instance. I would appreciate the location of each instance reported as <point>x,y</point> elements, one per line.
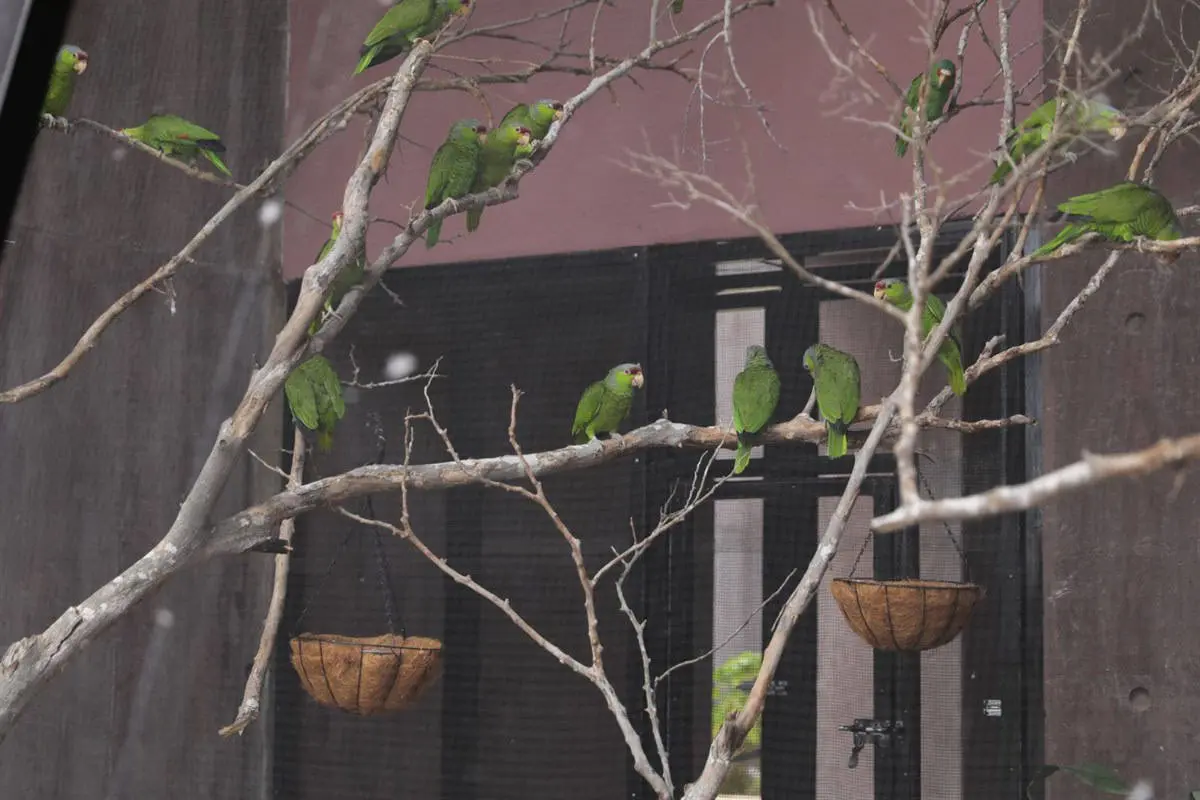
<point>638,380</point>
<point>943,76</point>
<point>880,291</point>
<point>1118,129</point>
<point>523,139</point>
<point>81,63</point>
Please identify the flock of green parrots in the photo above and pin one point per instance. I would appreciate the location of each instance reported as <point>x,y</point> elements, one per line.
<point>473,159</point>
<point>835,375</point>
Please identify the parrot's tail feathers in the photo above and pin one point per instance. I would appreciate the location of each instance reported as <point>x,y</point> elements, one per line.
<point>837,439</point>
<point>217,162</point>
<point>432,233</point>
<point>1067,234</point>
<point>901,146</point>
<point>1002,170</point>
<point>324,441</point>
<point>958,381</point>
<point>368,55</point>
<point>473,217</point>
<point>742,459</point>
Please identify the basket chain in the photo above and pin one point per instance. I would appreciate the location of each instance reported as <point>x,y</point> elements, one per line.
<point>945,525</point>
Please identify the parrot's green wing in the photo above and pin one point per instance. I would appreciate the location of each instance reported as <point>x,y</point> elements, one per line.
<point>838,385</point>
<point>451,174</point>
<point>950,353</point>
<point>314,395</point>
<point>395,32</point>
<point>910,102</point>
<point>302,399</point>
<point>586,411</point>
<point>755,396</point>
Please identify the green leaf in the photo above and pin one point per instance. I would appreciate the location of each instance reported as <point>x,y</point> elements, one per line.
<point>1098,776</point>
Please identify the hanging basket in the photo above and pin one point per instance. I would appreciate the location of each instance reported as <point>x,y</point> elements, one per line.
<point>906,615</point>
<point>366,675</point>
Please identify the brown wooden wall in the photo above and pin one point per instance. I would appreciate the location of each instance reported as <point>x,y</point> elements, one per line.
<point>1120,561</point>
<point>94,470</point>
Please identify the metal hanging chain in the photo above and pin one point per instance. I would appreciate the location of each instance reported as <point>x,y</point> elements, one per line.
<point>866,541</point>
<point>321,583</point>
<point>375,422</point>
<point>946,526</point>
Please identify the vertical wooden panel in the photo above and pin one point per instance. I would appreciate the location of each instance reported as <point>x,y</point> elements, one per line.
<point>96,467</point>
<point>1120,560</point>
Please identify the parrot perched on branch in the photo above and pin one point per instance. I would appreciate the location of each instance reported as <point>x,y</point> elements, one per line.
<point>314,395</point>
<point>346,280</point>
<point>402,25</point>
<point>453,169</point>
<point>496,160</point>
<point>68,65</point>
<point>537,117</point>
<point>605,404</point>
<point>896,292</point>
<point>941,79</point>
<point>1120,213</point>
<point>836,380</point>
<point>1034,130</point>
<point>175,136</point>
<point>755,395</point>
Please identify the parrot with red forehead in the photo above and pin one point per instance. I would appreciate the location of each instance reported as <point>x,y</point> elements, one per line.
<point>453,169</point>
<point>605,404</point>
<point>896,292</point>
<point>346,280</point>
<point>174,136</point>
<point>941,82</point>
<point>538,117</point>
<point>499,154</point>
<point>402,25</point>
<point>68,65</point>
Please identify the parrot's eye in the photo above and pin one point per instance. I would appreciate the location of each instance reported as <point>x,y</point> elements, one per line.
<point>481,128</point>
<point>881,285</point>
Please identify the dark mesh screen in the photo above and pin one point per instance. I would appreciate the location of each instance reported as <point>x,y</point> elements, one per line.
<point>506,720</point>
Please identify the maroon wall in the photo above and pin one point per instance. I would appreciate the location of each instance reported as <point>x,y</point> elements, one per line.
<point>1121,653</point>
<point>580,199</point>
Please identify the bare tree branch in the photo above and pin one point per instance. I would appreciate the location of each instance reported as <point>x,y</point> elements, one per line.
<point>252,697</point>
<point>1090,470</point>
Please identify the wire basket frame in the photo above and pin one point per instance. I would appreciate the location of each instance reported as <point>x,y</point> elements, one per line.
<point>369,674</point>
<point>908,615</point>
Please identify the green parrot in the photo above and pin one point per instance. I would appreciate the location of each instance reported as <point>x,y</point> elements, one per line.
<point>496,160</point>
<point>68,65</point>
<point>175,136</point>
<point>605,404</point>
<point>896,292</point>
<point>1032,132</point>
<point>755,395</point>
<point>346,280</point>
<point>402,25</point>
<point>942,82</point>
<point>314,395</point>
<point>836,379</point>
<point>453,169</point>
<point>1120,213</point>
<point>537,117</point>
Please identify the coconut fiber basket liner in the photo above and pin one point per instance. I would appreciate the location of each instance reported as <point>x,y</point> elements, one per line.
<point>906,615</point>
<point>366,675</point>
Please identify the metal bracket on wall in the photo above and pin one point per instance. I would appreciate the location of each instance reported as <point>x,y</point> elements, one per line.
<point>879,732</point>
